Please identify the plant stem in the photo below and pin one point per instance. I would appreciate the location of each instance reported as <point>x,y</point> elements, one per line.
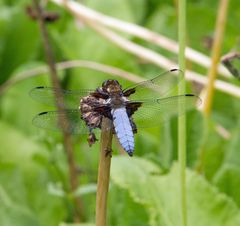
<point>89,14</point>
<point>59,103</point>
<point>182,119</point>
<point>216,51</point>
<point>103,173</point>
<point>212,74</point>
<point>222,86</point>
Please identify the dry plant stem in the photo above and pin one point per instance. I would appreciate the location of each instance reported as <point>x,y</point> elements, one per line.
<point>138,31</point>
<point>216,51</point>
<point>59,103</point>
<point>144,53</point>
<point>207,107</point>
<point>190,75</point>
<point>160,60</point>
<point>18,77</point>
<point>156,58</point>
<point>103,173</point>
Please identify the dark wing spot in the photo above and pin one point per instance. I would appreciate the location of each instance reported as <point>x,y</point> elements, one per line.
<point>43,113</point>
<point>189,95</point>
<point>174,69</point>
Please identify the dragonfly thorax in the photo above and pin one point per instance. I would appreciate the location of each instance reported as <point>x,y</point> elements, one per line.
<point>117,101</point>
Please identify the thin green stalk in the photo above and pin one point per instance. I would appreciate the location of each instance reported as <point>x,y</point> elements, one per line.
<point>182,119</point>
<point>103,173</point>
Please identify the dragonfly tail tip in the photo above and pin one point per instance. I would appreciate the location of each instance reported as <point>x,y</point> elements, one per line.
<point>130,154</point>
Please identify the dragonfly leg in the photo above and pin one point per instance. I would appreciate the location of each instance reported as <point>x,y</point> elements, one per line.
<point>133,125</point>
<point>108,152</point>
<point>91,138</point>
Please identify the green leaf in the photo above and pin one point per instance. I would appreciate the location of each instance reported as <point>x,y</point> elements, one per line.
<point>160,194</point>
<point>121,204</point>
<point>12,214</point>
<point>168,139</point>
<point>13,208</point>
<point>228,181</point>
<point>25,181</point>
<point>214,148</point>
<point>20,154</point>
<point>19,40</point>
<point>228,177</point>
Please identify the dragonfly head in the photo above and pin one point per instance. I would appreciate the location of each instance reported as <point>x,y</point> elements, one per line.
<point>111,86</point>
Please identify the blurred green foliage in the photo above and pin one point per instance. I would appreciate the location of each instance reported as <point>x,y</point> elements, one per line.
<point>34,179</point>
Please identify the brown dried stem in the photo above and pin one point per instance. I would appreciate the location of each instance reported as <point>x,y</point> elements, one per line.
<point>114,71</point>
<point>59,103</point>
<point>192,76</point>
<point>156,58</point>
<point>103,173</point>
<point>216,51</point>
<point>212,74</point>
<point>100,19</point>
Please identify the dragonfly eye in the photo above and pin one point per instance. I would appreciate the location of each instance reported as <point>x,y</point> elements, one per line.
<point>111,86</point>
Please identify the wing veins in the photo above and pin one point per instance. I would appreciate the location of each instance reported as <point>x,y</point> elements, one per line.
<point>153,112</point>
<point>47,95</point>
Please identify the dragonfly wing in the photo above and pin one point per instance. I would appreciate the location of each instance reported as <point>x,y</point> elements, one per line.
<point>153,113</point>
<point>161,85</point>
<point>50,120</point>
<point>47,95</point>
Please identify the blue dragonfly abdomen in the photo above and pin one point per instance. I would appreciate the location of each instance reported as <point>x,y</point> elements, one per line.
<point>123,129</point>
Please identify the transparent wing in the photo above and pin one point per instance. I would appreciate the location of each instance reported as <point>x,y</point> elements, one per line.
<point>50,120</point>
<point>47,95</point>
<point>161,85</point>
<point>154,112</point>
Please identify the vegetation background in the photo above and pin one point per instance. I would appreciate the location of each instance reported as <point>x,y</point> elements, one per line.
<point>34,178</point>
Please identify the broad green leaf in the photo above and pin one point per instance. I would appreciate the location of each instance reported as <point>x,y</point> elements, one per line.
<point>13,214</point>
<point>19,40</point>
<point>168,140</point>
<point>25,181</point>
<point>11,151</point>
<point>14,209</point>
<point>160,194</point>
<point>228,181</point>
<point>147,148</point>
<point>123,210</point>
<point>213,152</point>
<point>228,177</point>
<point>232,155</point>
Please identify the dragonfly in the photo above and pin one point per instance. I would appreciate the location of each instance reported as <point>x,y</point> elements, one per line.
<point>145,104</point>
